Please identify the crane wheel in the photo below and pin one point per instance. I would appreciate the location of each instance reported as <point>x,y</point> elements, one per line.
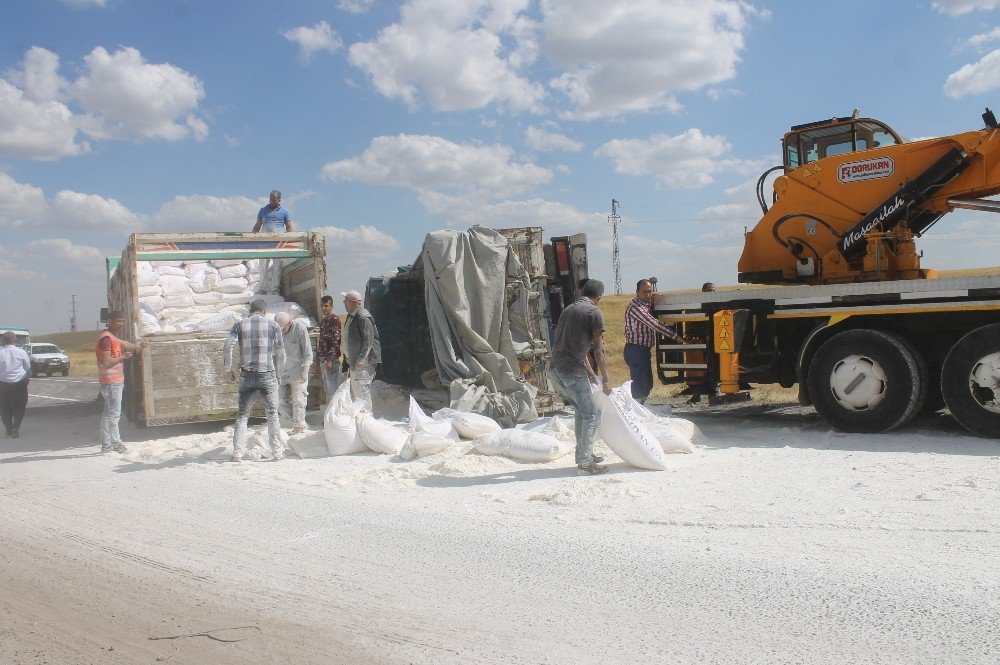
<point>867,381</point>
<point>970,381</point>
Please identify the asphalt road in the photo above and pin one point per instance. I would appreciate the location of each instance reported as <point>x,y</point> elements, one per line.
<point>53,391</point>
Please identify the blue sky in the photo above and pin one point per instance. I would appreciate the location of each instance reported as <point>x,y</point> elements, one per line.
<point>381,121</point>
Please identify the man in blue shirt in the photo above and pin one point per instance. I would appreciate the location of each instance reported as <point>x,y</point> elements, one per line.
<point>273,218</point>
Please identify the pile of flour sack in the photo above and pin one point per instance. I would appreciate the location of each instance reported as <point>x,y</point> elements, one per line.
<point>205,296</point>
<point>640,437</point>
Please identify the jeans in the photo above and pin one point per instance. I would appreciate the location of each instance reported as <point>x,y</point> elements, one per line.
<point>292,397</point>
<point>640,368</point>
<point>251,383</point>
<point>331,380</point>
<point>577,391</point>
<point>13,400</point>
<point>361,385</point>
<point>112,394</point>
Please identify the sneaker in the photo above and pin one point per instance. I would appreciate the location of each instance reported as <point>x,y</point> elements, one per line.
<point>106,449</point>
<point>278,455</point>
<point>299,430</point>
<point>237,457</point>
<point>119,448</point>
<point>596,459</point>
<point>590,469</point>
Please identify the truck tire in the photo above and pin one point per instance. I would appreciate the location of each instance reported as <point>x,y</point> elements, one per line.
<point>867,381</point>
<point>970,381</point>
<point>65,371</point>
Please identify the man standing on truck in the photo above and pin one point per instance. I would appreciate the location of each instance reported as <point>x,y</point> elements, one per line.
<point>15,368</point>
<point>273,218</point>
<point>112,352</point>
<point>329,347</point>
<point>262,356</point>
<point>640,337</point>
<point>364,350</point>
<point>580,327</point>
<point>293,384</point>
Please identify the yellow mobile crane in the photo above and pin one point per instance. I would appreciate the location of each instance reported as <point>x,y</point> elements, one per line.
<point>869,335</point>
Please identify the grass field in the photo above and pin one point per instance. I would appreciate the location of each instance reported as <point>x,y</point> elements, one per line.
<point>79,346</point>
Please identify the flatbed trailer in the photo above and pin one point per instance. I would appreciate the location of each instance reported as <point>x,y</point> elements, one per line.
<point>179,377</point>
<point>869,356</point>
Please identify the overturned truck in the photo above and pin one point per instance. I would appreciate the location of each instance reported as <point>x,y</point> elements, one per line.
<point>474,316</point>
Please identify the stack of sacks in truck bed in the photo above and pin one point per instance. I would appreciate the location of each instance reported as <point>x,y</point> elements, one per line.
<point>203,296</point>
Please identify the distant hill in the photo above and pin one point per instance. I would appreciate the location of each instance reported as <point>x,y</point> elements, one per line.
<point>71,342</point>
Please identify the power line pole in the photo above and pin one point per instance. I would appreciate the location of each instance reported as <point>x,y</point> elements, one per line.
<point>72,318</point>
<point>616,263</point>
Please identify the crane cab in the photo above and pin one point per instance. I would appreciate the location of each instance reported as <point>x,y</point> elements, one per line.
<point>814,141</point>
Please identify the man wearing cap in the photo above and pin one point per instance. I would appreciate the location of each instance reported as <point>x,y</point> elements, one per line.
<point>111,354</point>
<point>581,326</point>
<point>262,356</point>
<point>364,351</point>
<point>293,383</point>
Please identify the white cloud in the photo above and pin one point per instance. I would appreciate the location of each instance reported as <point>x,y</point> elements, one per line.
<point>206,213</point>
<point>979,41</point>
<point>434,163</point>
<point>91,212</point>
<point>313,39</point>
<point>38,76</point>
<point>43,131</point>
<point>636,56</point>
<point>355,6</point>
<point>556,218</point>
<point>686,161</point>
<point>454,55</point>
<point>546,141</point>
<point>957,7</point>
<point>126,97</point>
<point>61,251</point>
<point>20,205</point>
<point>119,96</point>
<point>975,78</point>
<point>363,242</point>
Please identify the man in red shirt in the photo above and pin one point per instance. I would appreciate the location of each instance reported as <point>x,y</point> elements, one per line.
<point>640,337</point>
<point>111,353</point>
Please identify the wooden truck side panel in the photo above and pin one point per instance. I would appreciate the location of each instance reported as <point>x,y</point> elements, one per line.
<point>180,377</point>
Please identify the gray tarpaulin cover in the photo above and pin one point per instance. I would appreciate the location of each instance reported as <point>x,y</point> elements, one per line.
<point>465,277</point>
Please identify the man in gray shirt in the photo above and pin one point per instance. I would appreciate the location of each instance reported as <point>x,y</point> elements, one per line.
<point>293,382</point>
<point>581,325</point>
<point>362,347</point>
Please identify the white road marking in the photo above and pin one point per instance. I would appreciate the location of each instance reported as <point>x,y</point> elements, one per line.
<point>72,380</point>
<point>61,399</point>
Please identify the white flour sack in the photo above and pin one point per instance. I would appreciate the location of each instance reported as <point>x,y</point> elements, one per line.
<point>523,445</point>
<point>421,422</point>
<point>340,424</point>
<point>380,436</point>
<point>220,322</point>
<point>422,444</point>
<point>468,425</point>
<point>231,285</point>
<point>237,270</point>
<point>624,433</point>
<point>674,434</point>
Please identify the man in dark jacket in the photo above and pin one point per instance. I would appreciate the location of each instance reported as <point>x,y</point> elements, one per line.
<point>362,346</point>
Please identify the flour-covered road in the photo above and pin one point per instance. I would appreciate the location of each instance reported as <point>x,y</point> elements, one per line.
<point>778,541</point>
